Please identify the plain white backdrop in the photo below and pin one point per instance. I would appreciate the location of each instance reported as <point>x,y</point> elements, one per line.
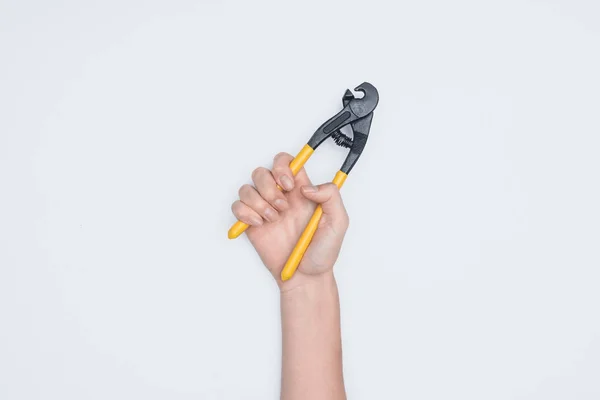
<point>471,269</point>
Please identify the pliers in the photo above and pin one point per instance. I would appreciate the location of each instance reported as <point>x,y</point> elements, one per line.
<point>358,113</point>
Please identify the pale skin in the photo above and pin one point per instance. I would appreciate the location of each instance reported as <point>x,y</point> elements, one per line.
<point>310,309</point>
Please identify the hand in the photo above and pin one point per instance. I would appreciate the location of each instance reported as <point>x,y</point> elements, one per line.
<point>277,219</point>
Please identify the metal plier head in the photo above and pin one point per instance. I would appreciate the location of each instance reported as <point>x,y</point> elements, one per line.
<point>358,112</point>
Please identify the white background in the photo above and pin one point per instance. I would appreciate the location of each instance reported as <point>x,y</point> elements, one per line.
<point>471,268</point>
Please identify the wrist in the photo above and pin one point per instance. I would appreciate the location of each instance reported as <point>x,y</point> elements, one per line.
<point>307,285</point>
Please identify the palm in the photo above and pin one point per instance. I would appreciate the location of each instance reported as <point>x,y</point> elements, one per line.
<point>274,241</point>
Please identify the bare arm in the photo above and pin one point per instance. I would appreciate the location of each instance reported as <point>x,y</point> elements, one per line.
<point>312,348</point>
<point>310,309</point>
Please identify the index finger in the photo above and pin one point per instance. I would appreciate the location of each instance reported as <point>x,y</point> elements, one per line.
<point>282,172</point>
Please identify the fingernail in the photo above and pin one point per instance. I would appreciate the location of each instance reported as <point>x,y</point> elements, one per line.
<point>280,204</point>
<point>255,221</point>
<point>287,182</point>
<point>270,214</point>
<point>310,189</point>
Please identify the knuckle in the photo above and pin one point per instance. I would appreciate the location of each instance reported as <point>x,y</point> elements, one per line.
<point>236,207</point>
<point>282,155</point>
<point>280,169</point>
<point>258,172</point>
<point>332,189</point>
<point>245,190</point>
<point>271,195</point>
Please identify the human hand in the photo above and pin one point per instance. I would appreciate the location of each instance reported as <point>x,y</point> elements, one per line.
<point>277,219</point>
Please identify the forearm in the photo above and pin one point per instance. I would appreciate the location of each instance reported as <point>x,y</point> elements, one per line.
<point>312,348</point>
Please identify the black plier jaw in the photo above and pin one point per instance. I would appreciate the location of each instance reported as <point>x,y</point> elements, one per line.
<point>358,112</point>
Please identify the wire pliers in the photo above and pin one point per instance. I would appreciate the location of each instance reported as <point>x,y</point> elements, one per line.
<point>358,113</point>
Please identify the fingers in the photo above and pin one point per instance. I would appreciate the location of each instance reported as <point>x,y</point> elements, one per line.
<point>282,171</point>
<point>328,195</point>
<point>246,214</point>
<point>267,188</point>
<point>250,197</point>
<point>265,200</point>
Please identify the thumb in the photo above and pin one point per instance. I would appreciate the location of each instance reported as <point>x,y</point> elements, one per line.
<point>328,196</point>
<point>325,245</point>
